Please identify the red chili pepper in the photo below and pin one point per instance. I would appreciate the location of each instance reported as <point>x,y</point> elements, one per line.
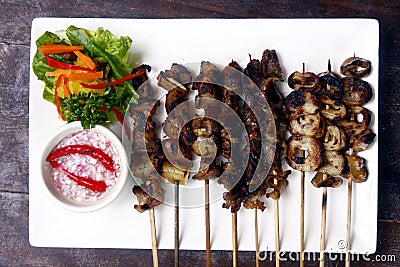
<point>116,82</point>
<point>93,86</point>
<point>126,78</point>
<point>120,118</point>
<point>61,65</point>
<point>91,151</point>
<point>83,181</point>
<point>57,98</point>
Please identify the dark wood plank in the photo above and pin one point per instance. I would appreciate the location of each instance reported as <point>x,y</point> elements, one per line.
<point>16,251</point>
<point>14,95</point>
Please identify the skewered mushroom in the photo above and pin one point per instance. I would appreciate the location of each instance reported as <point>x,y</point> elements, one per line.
<point>302,102</point>
<point>318,181</point>
<point>356,169</point>
<point>308,125</point>
<point>307,81</point>
<point>331,84</point>
<point>313,148</point>
<point>356,67</point>
<point>333,163</point>
<point>357,92</point>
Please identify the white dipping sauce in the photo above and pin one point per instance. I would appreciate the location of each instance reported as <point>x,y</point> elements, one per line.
<point>85,166</point>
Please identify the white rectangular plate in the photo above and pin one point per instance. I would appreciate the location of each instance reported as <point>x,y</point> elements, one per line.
<point>160,43</point>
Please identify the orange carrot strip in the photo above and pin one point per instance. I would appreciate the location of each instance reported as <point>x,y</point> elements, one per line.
<point>87,60</point>
<point>58,48</point>
<point>86,76</point>
<point>58,72</point>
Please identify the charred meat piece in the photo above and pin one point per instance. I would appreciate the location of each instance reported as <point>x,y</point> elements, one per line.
<point>177,76</point>
<point>174,97</point>
<point>142,165</point>
<point>254,70</point>
<point>179,73</point>
<point>274,98</point>
<point>207,171</point>
<point>176,155</point>
<point>208,73</point>
<point>139,81</point>
<point>232,82</point>
<point>278,182</point>
<point>318,181</point>
<point>356,67</point>
<point>357,92</point>
<point>204,127</point>
<point>313,150</point>
<point>147,157</point>
<point>149,194</point>
<point>176,124</point>
<point>270,65</point>
<point>207,84</point>
<point>302,102</point>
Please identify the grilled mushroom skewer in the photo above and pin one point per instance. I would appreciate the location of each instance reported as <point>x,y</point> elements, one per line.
<point>304,105</point>
<point>357,92</point>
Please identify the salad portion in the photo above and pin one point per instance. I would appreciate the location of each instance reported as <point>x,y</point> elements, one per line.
<point>86,74</point>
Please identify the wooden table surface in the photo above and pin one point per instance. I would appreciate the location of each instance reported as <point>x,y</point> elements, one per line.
<point>15,26</point>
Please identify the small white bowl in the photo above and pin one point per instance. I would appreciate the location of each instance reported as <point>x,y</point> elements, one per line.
<point>49,184</point>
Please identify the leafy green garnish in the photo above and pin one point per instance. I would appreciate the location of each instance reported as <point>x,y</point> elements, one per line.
<point>105,49</point>
<point>114,51</point>
<point>90,108</point>
<point>39,64</point>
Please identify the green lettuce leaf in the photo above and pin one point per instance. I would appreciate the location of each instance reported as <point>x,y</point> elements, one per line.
<point>114,51</point>
<point>39,64</point>
<point>118,47</point>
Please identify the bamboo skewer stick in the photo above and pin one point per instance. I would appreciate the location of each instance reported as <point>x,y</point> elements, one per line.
<point>234,240</point>
<point>153,237</point>
<point>348,224</point>
<point>277,235</point>
<point>302,184</point>
<point>256,236</point>
<point>323,209</point>
<point>176,263</point>
<point>323,224</point>
<point>349,202</point>
<point>302,189</point>
<point>207,221</point>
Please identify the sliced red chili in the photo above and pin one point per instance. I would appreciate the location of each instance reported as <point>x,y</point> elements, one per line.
<point>57,98</point>
<point>126,78</point>
<point>93,86</point>
<point>116,82</point>
<point>121,119</point>
<point>61,65</point>
<point>91,151</point>
<point>83,181</point>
